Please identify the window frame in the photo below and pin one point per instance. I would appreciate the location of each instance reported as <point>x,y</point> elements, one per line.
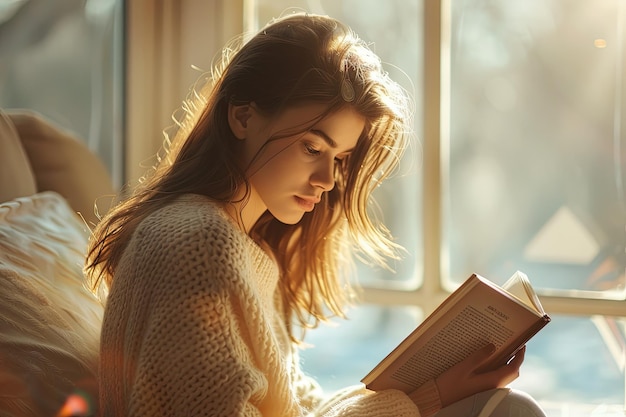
<point>164,40</point>
<point>436,142</point>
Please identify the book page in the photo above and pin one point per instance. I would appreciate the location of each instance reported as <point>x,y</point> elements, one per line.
<point>519,286</point>
<point>453,343</point>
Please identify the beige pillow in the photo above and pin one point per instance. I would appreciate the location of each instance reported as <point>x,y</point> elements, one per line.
<point>16,176</point>
<point>63,163</point>
<point>49,321</point>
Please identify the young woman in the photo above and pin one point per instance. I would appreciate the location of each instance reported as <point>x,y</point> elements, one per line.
<point>244,232</point>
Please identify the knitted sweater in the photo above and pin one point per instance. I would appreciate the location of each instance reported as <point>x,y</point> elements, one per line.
<point>192,328</point>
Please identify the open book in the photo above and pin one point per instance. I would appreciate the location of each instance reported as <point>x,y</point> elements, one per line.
<point>479,312</point>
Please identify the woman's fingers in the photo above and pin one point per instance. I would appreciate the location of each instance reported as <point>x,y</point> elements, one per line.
<point>509,372</point>
<point>480,356</point>
<point>462,380</point>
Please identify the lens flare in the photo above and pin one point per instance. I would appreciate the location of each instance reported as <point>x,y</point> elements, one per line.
<point>77,404</point>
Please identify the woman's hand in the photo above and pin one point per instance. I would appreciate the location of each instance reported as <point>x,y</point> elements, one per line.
<point>462,380</point>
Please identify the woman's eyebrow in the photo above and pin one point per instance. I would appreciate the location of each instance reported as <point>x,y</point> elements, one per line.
<point>324,136</point>
<point>330,141</point>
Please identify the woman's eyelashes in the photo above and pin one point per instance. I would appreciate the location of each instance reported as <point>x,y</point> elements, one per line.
<point>314,150</point>
<point>311,149</point>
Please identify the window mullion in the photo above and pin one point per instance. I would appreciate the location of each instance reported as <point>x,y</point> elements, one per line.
<point>435,138</point>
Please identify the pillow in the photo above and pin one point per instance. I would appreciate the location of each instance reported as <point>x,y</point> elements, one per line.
<point>16,176</point>
<point>49,320</point>
<point>61,162</point>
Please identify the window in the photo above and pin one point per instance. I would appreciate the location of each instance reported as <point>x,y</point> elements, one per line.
<point>536,158</point>
<point>536,175</point>
<point>63,59</point>
<point>521,157</point>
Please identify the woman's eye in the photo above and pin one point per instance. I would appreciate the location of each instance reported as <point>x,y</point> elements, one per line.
<point>311,149</point>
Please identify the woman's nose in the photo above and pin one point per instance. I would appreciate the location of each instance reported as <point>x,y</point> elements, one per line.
<point>324,175</point>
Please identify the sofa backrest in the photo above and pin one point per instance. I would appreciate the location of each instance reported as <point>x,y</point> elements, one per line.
<point>49,320</point>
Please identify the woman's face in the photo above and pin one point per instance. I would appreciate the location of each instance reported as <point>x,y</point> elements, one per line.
<point>289,175</point>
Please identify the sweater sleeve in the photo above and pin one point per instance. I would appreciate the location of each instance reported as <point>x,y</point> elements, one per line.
<point>427,398</point>
<point>359,401</point>
<point>354,401</point>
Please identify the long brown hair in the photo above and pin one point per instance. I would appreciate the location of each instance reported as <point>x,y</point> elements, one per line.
<point>297,59</point>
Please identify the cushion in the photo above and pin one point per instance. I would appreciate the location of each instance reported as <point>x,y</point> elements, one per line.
<point>49,320</point>
<point>62,163</point>
<point>16,176</point>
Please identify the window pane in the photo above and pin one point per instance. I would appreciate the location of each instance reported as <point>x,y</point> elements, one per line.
<point>536,158</point>
<point>582,367</point>
<point>62,58</point>
<point>400,49</point>
<point>536,177</point>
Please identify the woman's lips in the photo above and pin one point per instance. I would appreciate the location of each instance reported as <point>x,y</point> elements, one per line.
<point>307,203</point>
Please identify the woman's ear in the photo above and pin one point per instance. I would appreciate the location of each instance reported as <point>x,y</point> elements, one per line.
<point>238,116</point>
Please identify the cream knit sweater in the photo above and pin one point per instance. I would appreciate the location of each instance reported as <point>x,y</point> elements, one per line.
<point>191,328</point>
